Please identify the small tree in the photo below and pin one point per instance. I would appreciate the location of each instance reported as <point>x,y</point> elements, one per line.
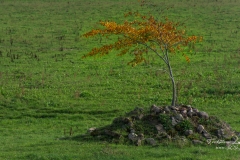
<point>143,35</point>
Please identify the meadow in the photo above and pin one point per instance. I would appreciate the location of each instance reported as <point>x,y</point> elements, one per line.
<point>49,95</point>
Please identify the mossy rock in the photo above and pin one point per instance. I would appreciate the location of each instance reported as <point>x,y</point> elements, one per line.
<point>164,124</point>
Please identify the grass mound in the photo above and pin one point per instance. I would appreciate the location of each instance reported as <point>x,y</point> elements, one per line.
<point>183,123</point>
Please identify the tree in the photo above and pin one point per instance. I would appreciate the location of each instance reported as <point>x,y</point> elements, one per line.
<point>143,35</point>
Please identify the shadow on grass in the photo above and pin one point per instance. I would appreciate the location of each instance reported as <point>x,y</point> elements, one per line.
<point>89,138</point>
<point>148,152</point>
<point>89,112</point>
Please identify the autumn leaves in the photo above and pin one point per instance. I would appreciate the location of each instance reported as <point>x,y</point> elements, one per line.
<point>143,35</point>
<point>140,36</point>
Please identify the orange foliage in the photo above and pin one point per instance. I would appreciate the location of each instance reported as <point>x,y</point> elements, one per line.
<point>142,35</point>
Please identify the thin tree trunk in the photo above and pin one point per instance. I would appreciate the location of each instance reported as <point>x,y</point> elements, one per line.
<point>174,94</point>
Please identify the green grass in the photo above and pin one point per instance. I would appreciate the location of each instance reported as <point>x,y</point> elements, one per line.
<point>46,88</point>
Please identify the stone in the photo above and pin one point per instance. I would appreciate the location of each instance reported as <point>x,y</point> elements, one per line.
<point>183,110</point>
<point>138,122</point>
<point>189,107</point>
<point>151,141</point>
<point>200,128</point>
<point>184,116</point>
<point>173,108</point>
<point>139,142</point>
<point>132,130</point>
<point>203,115</point>
<point>179,117</point>
<point>162,135</point>
<point>190,113</point>
<point>91,130</point>
<point>127,120</point>
<point>225,133</point>
<point>130,124</point>
<point>174,122</point>
<point>167,110</point>
<point>159,128</point>
<point>140,139</point>
<point>174,112</point>
<point>155,110</point>
<point>195,142</point>
<point>139,117</point>
<point>195,110</point>
<point>220,133</point>
<point>188,132</point>
<point>133,137</point>
<point>169,137</point>
<point>141,136</point>
<point>206,134</point>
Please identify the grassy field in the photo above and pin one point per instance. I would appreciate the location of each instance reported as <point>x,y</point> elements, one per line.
<point>47,92</point>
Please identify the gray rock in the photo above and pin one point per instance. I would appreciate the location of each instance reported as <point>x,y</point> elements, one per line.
<point>155,110</point>
<point>151,141</point>
<point>130,124</point>
<point>220,133</point>
<point>189,107</point>
<point>203,115</point>
<point>225,133</point>
<point>183,111</point>
<point>140,116</point>
<point>174,122</point>
<point>179,117</point>
<point>206,134</point>
<point>195,110</point>
<point>160,128</point>
<point>174,111</point>
<point>139,142</point>
<point>90,130</point>
<point>185,116</point>
<point>190,113</point>
<point>141,136</point>
<point>188,132</point>
<point>169,137</point>
<point>133,137</point>
<point>132,130</point>
<point>195,142</point>
<point>173,108</point>
<point>163,135</point>
<point>127,120</point>
<point>167,110</point>
<point>200,128</point>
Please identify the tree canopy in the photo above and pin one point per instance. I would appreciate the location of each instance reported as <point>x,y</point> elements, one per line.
<point>142,35</point>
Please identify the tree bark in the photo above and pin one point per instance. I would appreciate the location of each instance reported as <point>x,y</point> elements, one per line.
<point>174,91</point>
<point>174,95</point>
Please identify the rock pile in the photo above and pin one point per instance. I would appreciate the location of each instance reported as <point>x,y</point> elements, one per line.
<point>164,123</point>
